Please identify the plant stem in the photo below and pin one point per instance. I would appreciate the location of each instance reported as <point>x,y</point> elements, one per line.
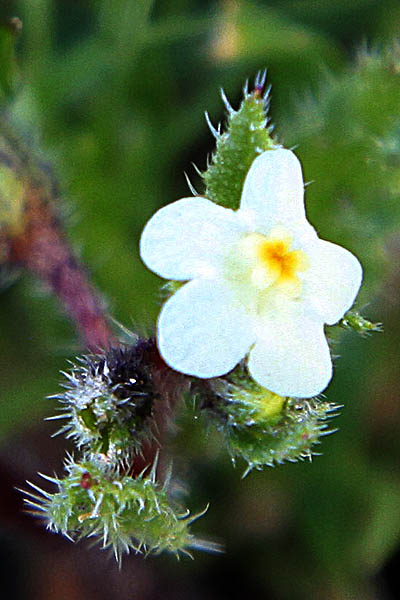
<point>43,249</point>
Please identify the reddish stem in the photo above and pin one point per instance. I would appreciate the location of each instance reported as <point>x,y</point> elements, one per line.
<point>43,249</point>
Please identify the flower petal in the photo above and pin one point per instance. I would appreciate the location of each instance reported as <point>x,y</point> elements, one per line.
<point>203,331</point>
<point>332,281</point>
<point>291,357</point>
<point>188,238</point>
<point>273,189</point>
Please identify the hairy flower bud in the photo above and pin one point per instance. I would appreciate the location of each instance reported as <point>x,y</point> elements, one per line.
<point>109,400</point>
<point>125,513</point>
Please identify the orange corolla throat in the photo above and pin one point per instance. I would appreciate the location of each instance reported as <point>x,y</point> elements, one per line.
<point>276,255</point>
<point>273,262</point>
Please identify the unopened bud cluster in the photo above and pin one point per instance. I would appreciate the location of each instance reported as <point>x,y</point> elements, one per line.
<point>108,405</point>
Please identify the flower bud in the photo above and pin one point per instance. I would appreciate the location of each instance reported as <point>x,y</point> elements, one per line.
<point>125,513</point>
<point>108,402</point>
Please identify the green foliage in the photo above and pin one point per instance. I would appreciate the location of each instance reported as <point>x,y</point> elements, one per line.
<point>11,199</point>
<point>22,168</point>
<point>245,138</point>
<point>125,513</point>
<point>348,138</point>
<point>9,29</point>
<point>118,115</point>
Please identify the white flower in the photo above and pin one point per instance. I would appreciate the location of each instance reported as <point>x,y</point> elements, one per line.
<point>260,281</point>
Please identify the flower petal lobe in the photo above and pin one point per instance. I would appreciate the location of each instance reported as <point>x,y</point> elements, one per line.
<point>291,356</point>
<point>188,238</point>
<point>333,280</point>
<point>203,331</point>
<point>273,189</point>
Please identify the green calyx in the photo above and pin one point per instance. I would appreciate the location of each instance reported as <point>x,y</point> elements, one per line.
<point>291,439</point>
<point>242,401</point>
<point>246,137</point>
<point>261,427</point>
<point>124,513</point>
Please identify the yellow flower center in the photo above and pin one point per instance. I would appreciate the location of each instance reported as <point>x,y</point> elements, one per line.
<point>272,261</point>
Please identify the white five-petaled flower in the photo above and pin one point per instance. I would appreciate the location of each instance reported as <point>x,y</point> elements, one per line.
<point>259,281</point>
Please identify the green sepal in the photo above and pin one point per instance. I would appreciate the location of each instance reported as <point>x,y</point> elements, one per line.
<point>292,439</point>
<point>124,513</point>
<point>246,137</point>
<point>262,428</point>
<point>169,288</point>
<point>245,402</point>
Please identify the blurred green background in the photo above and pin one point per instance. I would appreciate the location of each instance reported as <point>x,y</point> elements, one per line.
<point>112,94</point>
